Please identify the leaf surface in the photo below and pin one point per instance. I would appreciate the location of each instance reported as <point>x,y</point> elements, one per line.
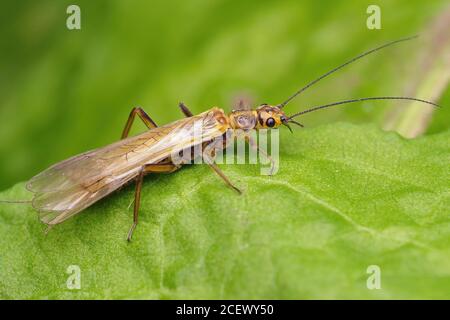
<point>346,197</point>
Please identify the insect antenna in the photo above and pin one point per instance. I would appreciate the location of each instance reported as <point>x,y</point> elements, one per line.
<point>358,100</point>
<point>281,105</point>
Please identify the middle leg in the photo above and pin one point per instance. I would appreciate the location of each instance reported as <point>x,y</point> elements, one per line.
<point>209,156</point>
<point>185,110</point>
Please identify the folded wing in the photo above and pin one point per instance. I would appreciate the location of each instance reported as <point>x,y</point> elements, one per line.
<point>74,184</point>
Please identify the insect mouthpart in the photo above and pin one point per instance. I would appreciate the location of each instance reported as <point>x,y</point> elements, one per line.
<point>286,120</point>
<point>295,122</point>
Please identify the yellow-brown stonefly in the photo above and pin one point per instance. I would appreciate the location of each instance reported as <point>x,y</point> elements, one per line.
<point>70,186</point>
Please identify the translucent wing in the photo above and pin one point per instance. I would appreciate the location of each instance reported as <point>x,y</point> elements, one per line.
<point>242,105</point>
<point>72,185</point>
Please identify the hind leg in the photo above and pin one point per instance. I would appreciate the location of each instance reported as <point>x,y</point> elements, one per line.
<point>144,117</point>
<point>149,168</point>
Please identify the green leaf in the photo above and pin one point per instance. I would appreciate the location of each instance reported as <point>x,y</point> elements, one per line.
<point>346,197</point>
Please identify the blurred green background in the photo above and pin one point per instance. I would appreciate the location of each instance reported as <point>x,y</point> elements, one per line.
<point>64,91</point>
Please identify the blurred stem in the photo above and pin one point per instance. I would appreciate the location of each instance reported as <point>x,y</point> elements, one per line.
<point>430,82</point>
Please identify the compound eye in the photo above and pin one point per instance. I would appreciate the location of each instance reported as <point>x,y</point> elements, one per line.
<point>270,122</point>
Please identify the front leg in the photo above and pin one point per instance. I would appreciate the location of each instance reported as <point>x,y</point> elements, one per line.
<point>253,144</point>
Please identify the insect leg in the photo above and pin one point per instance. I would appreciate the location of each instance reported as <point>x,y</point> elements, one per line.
<point>208,157</point>
<point>137,202</point>
<point>253,144</point>
<point>149,168</point>
<point>185,110</point>
<point>161,168</point>
<point>223,176</point>
<point>144,117</point>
